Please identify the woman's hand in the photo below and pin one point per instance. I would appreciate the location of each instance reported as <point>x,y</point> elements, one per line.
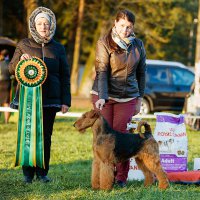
<point>25,56</point>
<point>138,105</point>
<point>100,103</point>
<point>64,108</point>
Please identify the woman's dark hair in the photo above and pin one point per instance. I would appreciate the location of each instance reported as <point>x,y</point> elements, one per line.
<point>125,14</point>
<point>122,14</point>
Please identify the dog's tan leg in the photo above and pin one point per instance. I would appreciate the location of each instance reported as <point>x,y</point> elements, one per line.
<point>152,162</point>
<point>95,173</point>
<point>106,176</point>
<point>161,176</point>
<point>147,173</point>
<point>150,156</point>
<point>104,152</point>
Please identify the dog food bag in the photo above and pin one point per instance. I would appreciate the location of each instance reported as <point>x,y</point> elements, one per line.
<point>170,133</point>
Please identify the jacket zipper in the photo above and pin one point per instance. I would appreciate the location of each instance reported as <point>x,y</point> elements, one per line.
<point>127,52</point>
<point>125,88</point>
<point>42,51</point>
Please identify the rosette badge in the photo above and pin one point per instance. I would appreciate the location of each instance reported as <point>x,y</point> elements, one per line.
<point>31,72</point>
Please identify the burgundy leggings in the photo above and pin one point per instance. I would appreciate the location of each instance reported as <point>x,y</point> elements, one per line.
<point>118,115</point>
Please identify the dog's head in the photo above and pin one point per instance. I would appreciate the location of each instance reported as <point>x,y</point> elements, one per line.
<point>86,120</point>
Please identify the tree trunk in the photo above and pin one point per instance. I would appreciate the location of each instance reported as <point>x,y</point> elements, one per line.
<point>75,67</point>
<point>30,5</point>
<point>89,71</point>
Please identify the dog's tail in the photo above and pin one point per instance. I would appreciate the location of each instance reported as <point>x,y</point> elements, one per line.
<point>146,126</point>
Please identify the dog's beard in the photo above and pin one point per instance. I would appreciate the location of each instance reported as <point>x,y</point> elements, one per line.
<point>82,130</point>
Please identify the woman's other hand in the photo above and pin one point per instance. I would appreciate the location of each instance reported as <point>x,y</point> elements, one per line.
<point>100,103</point>
<point>64,109</point>
<point>25,56</point>
<point>138,105</point>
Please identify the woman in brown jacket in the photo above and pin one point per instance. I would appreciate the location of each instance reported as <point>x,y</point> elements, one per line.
<point>56,88</point>
<point>119,85</point>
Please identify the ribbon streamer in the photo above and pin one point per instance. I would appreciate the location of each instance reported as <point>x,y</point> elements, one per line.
<point>31,74</point>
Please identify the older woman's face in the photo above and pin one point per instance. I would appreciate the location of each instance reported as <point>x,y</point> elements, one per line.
<point>124,28</point>
<point>43,27</point>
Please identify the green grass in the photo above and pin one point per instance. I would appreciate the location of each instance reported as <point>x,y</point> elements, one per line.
<point>70,169</point>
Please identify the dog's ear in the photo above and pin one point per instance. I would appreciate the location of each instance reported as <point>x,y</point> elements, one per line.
<point>94,114</point>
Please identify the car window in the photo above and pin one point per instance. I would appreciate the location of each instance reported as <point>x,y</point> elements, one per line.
<point>157,75</point>
<point>181,76</point>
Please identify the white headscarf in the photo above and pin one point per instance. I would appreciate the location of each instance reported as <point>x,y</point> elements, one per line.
<point>43,15</point>
<point>38,12</point>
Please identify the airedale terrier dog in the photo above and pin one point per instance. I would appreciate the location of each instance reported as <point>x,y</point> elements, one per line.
<point>111,147</point>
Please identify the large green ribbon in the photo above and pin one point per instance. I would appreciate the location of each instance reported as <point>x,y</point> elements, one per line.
<point>30,144</point>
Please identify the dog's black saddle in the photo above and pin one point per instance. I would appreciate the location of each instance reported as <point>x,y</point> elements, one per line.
<point>126,145</point>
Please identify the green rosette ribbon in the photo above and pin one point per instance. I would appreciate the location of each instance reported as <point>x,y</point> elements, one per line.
<point>31,74</point>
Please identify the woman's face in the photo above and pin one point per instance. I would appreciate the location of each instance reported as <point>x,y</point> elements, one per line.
<point>43,27</point>
<point>124,28</point>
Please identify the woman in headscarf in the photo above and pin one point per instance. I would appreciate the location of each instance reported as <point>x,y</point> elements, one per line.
<point>56,88</point>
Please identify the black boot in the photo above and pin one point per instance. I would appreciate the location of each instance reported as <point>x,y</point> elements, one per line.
<point>28,179</point>
<point>44,179</point>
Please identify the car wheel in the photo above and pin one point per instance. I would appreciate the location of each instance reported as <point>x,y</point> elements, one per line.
<point>145,108</point>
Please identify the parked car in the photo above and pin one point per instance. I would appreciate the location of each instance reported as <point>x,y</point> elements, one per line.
<point>167,85</point>
<point>9,44</point>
